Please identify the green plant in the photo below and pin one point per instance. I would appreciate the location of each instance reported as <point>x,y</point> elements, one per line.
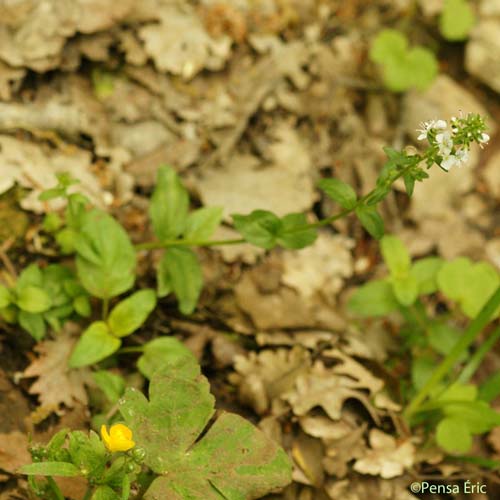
<point>402,67</point>
<point>455,407</point>
<point>233,459</point>
<point>105,263</point>
<point>456,20</point>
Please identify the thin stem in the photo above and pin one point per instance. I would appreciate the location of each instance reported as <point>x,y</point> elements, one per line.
<point>475,327</point>
<point>55,488</point>
<point>474,362</point>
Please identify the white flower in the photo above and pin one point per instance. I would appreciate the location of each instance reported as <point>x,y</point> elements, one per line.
<point>448,162</point>
<point>462,155</point>
<point>440,125</point>
<point>484,138</point>
<point>445,143</point>
<point>425,127</point>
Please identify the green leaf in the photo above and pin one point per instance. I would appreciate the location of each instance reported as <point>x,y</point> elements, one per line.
<point>88,452</point>
<point>339,191</point>
<point>232,460</point>
<point>169,205</point>
<point>105,256</point>
<point>131,313</point>
<point>293,234</point>
<point>375,298</point>
<point>471,285</point>
<point>163,283</point>
<point>51,222</point>
<point>490,388</point>
<point>30,276</point>
<point>202,223</point>
<point>95,344</point>
<point>184,275</point>
<point>66,239</point>
<point>105,493</point>
<point>371,221</point>
<point>82,305</point>
<point>453,435</point>
<point>402,67</point>
<point>396,256</point>
<point>260,228</point>
<point>477,415</point>
<point>64,469</point>
<point>422,369</point>
<point>409,181</point>
<point>425,272</point>
<point>456,20</point>
<point>52,193</point>
<point>33,323</point>
<point>111,384</point>
<point>5,297</point>
<point>443,337</point>
<point>33,299</point>
<point>160,352</point>
<point>405,289</point>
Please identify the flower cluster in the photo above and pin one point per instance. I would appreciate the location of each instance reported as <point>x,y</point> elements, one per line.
<point>450,143</point>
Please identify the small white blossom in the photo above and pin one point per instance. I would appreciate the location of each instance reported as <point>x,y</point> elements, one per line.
<point>425,127</point>
<point>484,138</point>
<point>445,143</point>
<point>448,162</point>
<point>462,155</point>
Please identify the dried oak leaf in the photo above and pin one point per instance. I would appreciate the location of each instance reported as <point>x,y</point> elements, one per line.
<point>180,44</point>
<point>329,388</point>
<point>265,376</point>
<point>386,458</point>
<point>56,383</point>
<point>360,488</point>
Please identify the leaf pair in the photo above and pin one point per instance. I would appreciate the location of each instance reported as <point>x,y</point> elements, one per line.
<point>179,270</point>
<point>266,230</point>
<point>232,460</point>
<point>463,415</point>
<point>403,67</point>
<point>405,283</point>
<point>101,339</point>
<point>345,196</point>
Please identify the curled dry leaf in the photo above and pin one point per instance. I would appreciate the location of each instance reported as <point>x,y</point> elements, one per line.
<point>321,267</point>
<point>386,458</point>
<point>56,383</point>
<point>330,388</point>
<point>263,377</point>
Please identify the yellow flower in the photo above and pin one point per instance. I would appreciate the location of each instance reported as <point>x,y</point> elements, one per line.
<point>119,437</point>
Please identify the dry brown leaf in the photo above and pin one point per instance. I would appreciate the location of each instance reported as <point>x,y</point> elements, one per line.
<point>324,427</point>
<point>56,383</point>
<point>386,458</point>
<point>180,44</point>
<point>322,267</point>
<point>307,453</point>
<point>253,184</point>
<point>324,387</point>
<point>13,451</point>
<point>265,376</point>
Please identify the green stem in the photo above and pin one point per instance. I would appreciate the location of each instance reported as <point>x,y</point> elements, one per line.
<point>55,488</point>
<point>473,364</point>
<point>475,327</point>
